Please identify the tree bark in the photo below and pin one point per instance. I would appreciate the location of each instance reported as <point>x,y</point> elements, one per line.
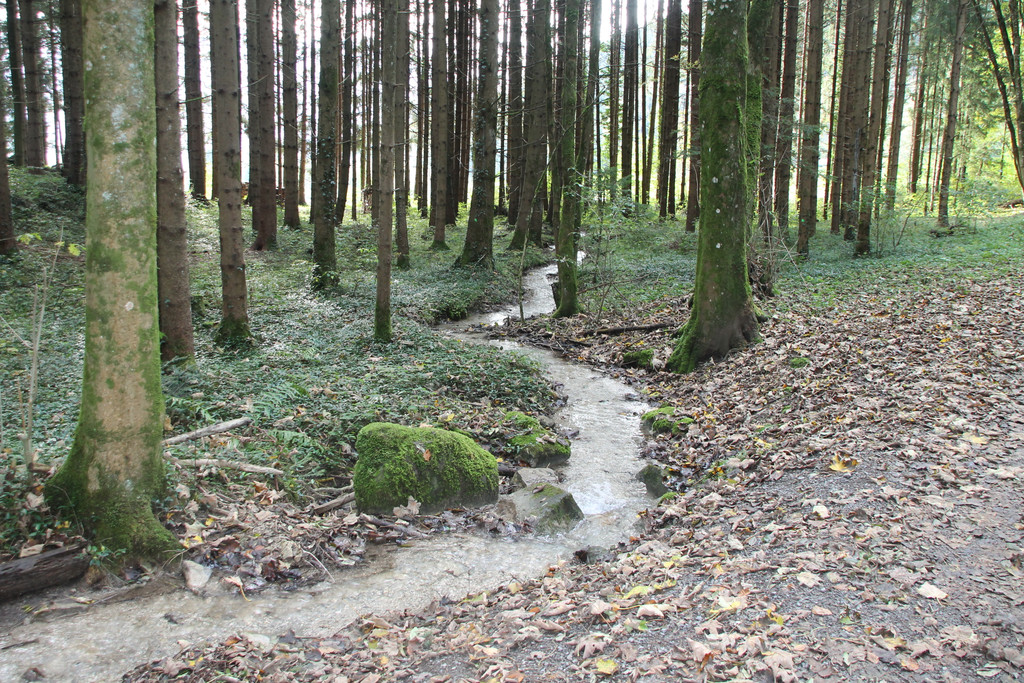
<point>8,242</point>
<point>899,97</point>
<point>515,110</point>
<point>918,131</point>
<point>807,176</point>
<point>630,65</point>
<point>385,182</point>
<point>227,138</point>
<point>347,110</point>
<point>401,142</point>
<point>784,142</point>
<point>115,466</point>
<point>35,101</point>
<point>949,132</point>
<point>439,181</point>
<point>74,103</point>
<point>17,82</point>
<point>694,37</point>
<point>722,316</point>
<point>175,305</point>
<point>263,196</point>
<point>50,568</point>
<point>478,251</point>
<point>325,260</point>
<point>670,108</point>
<point>290,114</point>
<point>194,124</point>
<point>565,239</point>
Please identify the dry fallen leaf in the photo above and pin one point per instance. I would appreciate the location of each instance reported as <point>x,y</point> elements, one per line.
<point>607,666</point>
<point>808,579</point>
<point>929,591</point>
<point>842,464</point>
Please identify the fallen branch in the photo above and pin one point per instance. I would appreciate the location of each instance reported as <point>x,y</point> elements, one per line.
<point>340,501</point>
<point>377,521</point>
<point>628,328</point>
<point>208,431</point>
<point>227,465</point>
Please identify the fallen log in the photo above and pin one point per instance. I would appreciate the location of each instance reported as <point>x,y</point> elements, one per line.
<point>227,465</point>
<point>342,500</point>
<point>50,568</point>
<point>208,431</point>
<point>628,328</point>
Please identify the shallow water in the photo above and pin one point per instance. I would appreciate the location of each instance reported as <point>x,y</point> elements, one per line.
<point>103,641</point>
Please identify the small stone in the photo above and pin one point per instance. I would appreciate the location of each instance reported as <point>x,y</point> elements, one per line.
<point>526,477</point>
<point>653,478</point>
<point>196,575</point>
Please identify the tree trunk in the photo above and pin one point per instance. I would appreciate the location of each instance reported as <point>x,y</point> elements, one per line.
<point>899,97</point>
<point>614,98</point>
<point>949,132</point>
<point>325,260</point>
<point>385,177</point>
<point>869,160</point>
<point>8,242</point>
<point>631,58</point>
<point>807,176</point>
<point>115,466</point>
<point>194,101</point>
<point>784,141</point>
<point>722,315</point>
<point>669,108</point>
<point>515,110</point>
<point>478,251</point>
<point>565,241</point>
<point>175,305</point>
<point>263,196</point>
<point>423,127</point>
<point>439,181</point>
<point>35,101</point>
<point>585,153</point>
<point>17,82</point>
<point>918,132</point>
<point>830,147</point>
<point>538,80</point>
<point>347,110</point>
<point>767,64</point>
<point>227,134</point>
<point>74,103</point>
<point>401,142</point>
<point>290,114</point>
<point>694,37</point>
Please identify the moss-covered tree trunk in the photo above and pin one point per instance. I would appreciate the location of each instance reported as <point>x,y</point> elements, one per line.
<point>172,238</point>
<point>565,243</point>
<point>227,145</point>
<point>115,465</point>
<point>722,315</point>
<point>478,250</point>
<point>325,259</point>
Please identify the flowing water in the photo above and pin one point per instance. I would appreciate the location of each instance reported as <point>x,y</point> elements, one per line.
<point>101,642</point>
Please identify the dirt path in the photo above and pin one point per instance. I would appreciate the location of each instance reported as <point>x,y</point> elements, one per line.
<point>861,520</point>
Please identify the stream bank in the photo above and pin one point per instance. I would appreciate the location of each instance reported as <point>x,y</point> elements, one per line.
<point>602,414</point>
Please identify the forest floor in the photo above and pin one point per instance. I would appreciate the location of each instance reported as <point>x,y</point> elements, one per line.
<point>849,509</point>
<point>847,491</point>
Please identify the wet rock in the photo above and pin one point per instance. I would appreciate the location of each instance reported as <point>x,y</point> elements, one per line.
<point>593,554</point>
<point>653,478</point>
<point>527,477</point>
<point>535,445</point>
<point>196,575</point>
<point>439,468</point>
<point>548,508</point>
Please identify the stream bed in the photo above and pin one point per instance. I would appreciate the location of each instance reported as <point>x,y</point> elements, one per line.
<point>101,642</point>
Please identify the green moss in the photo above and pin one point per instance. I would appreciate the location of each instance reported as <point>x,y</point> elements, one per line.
<point>522,420</point>
<point>438,468</point>
<point>536,445</point>
<point>643,358</point>
<point>663,420</point>
<point>799,362</point>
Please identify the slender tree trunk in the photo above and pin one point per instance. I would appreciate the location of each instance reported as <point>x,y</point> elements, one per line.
<point>918,132</point>
<point>35,100</point>
<point>290,115</point>
<point>631,58</point>
<point>325,260</point>
<point>669,108</point>
<point>304,141</point>
<point>722,315</point>
<point>585,154</point>
<point>784,142</point>
<point>115,465</point>
<point>694,50</point>
<point>949,132</point>
<point>899,96</point>
<point>194,101</point>
<point>515,107</point>
<point>264,196</point>
<point>767,63</point>
<point>423,125</point>
<point>614,98</point>
<point>74,102</point>
<point>830,147</point>
<point>385,180</point>
<point>401,141</point>
<point>8,243</point>
<point>537,96</point>
<point>175,306</point>
<point>439,128</point>
<point>17,82</point>
<point>347,114</point>
<point>645,180</point>
<point>565,242</point>
<point>227,97</point>
<point>807,177</point>
<point>478,250</point>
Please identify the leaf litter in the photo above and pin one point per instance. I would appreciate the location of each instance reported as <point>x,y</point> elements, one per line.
<point>877,533</point>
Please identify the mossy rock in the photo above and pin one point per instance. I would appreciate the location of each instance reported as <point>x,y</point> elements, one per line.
<point>440,469</point>
<point>548,508</point>
<point>642,359</point>
<point>663,420</point>
<point>653,478</point>
<point>535,445</point>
